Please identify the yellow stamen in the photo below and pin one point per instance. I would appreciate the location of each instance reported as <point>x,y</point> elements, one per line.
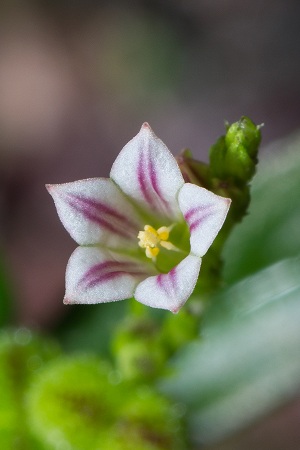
<point>152,252</point>
<point>169,246</point>
<point>163,233</point>
<point>150,239</point>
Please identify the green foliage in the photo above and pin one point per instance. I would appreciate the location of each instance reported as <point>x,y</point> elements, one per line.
<point>22,355</point>
<point>232,164</point>
<point>71,401</point>
<point>80,403</point>
<point>233,160</point>
<point>270,232</point>
<point>50,401</point>
<point>248,360</point>
<point>246,363</point>
<point>147,422</point>
<point>137,348</point>
<point>179,329</point>
<point>90,328</point>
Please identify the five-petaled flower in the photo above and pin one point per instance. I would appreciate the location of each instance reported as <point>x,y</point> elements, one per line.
<point>142,232</point>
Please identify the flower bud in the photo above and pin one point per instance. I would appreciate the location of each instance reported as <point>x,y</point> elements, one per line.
<point>234,156</point>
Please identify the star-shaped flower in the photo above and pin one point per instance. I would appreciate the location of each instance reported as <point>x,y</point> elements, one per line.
<point>142,232</point>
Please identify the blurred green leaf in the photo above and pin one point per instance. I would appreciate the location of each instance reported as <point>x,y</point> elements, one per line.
<point>270,232</point>
<point>248,361</point>
<point>89,327</point>
<point>80,403</point>
<point>70,401</point>
<point>22,356</point>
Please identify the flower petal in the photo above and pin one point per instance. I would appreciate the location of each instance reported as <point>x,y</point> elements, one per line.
<point>147,172</point>
<point>95,211</point>
<point>204,213</point>
<point>170,291</point>
<point>97,276</point>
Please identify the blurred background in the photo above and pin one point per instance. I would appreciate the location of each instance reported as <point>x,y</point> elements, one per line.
<point>77,80</point>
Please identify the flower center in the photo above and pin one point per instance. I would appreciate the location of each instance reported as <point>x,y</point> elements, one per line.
<point>151,240</point>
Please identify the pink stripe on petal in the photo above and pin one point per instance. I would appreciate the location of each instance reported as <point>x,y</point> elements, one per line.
<point>155,185</point>
<point>147,172</point>
<point>108,270</point>
<point>194,225</point>
<point>196,216</point>
<point>148,182</point>
<point>103,215</point>
<point>204,213</point>
<point>188,215</point>
<point>111,276</point>
<point>167,282</point>
<point>172,275</point>
<point>160,280</point>
<point>142,180</point>
<point>171,290</point>
<point>107,210</point>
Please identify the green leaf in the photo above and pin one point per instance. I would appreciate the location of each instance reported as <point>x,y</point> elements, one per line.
<point>22,356</point>
<point>89,327</point>
<point>70,401</point>
<point>79,402</point>
<point>248,361</point>
<point>270,232</point>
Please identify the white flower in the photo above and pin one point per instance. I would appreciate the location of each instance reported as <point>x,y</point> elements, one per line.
<point>142,232</point>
